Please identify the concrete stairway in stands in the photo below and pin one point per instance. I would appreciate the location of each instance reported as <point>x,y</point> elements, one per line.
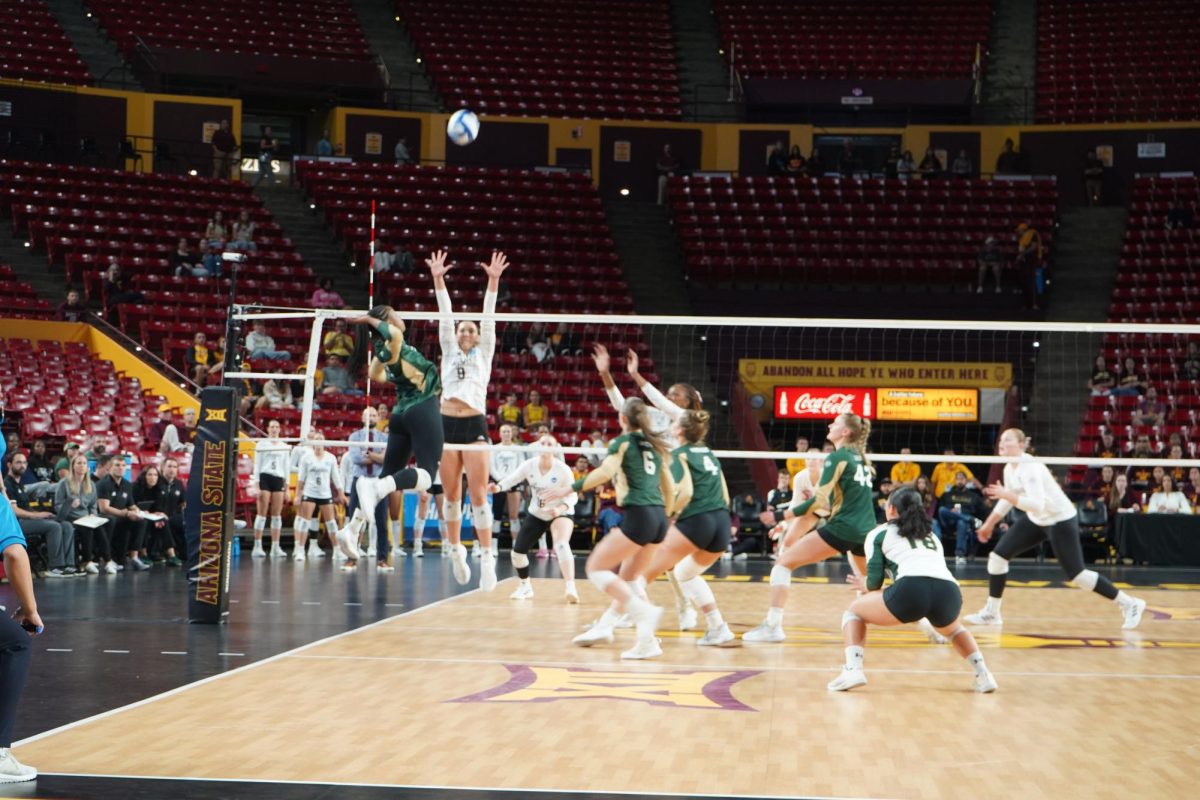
<point>412,89</point>
<point>103,59</point>
<point>1011,71</point>
<point>703,74</point>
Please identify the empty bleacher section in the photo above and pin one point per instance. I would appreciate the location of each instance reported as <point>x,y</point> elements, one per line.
<point>1158,282</point>
<point>1116,61</point>
<point>33,46</point>
<point>542,58</point>
<point>20,300</point>
<point>870,232</point>
<point>554,232</point>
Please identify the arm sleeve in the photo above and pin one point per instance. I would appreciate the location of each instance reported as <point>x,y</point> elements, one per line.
<point>487,327</point>
<point>446,325</point>
<point>1033,500</point>
<point>516,476</point>
<point>875,560</point>
<point>258,459</point>
<point>302,470</point>
<point>358,454</point>
<point>684,488</point>
<point>616,398</point>
<point>62,500</point>
<point>604,473</point>
<point>660,401</point>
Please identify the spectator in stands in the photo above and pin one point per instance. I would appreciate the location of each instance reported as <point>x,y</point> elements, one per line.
<point>1149,411</point>
<point>748,511</point>
<point>1140,475</point>
<point>990,257</point>
<point>1100,483</point>
<point>1180,214</point>
<point>172,498</point>
<point>73,309</point>
<point>199,358</point>
<point>114,495</point>
<point>1108,446</point>
<point>1029,259</point>
<point>324,146</point>
<point>12,446</point>
<point>41,468</point>
<point>1191,487</point>
<point>924,488</point>
<point>338,342</point>
<point>534,413</point>
<point>1190,367</point>
<point>797,463</point>
<point>1102,381</point>
<point>267,147</point>
<point>336,379</point>
<point>945,473</point>
<point>907,166</point>
<point>667,166</point>
<point>959,509</point>
<point>1121,498</point>
<point>596,440</point>
<point>891,166</point>
<point>326,297</point>
<point>216,233</point>
<point>156,429</point>
<point>796,165</point>
<point>1175,453</point>
<point>63,465</point>
<point>276,394</point>
<point>848,160</point>
<point>777,162</point>
<point>1168,499</point>
<point>1130,382</point>
<point>564,342</point>
<point>117,290</point>
<point>1093,178</point>
<point>385,412</point>
<point>931,166</point>
<point>145,499</point>
<point>184,262</point>
<point>210,261</point>
<point>880,499</point>
<point>224,146</point>
<point>537,342</point>
<point>510,412</point>
<point>399,261</point>
<point>962,167</point>
<point>74,499</point>
<point>59,536</point>
<point>260,345</point>
<point>216,360</point>
<point>243,233</point>
<point>815,167</point>
<point>905,472</point>
<point>1009,160</point>
<point>780,498</point>
<point>180,438</point>
<point>401,153</point>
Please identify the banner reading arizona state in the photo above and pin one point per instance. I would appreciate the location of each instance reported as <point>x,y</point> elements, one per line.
<point>761,375</point>
<point>208,518</point>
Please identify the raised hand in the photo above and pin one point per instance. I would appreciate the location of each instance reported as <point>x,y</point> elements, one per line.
<point>631,362</point>
<point>437,264</point>
<point>496,268</point>
<point>600,356</point>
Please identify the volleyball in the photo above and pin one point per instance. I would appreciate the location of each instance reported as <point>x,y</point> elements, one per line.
<point>463,126</point>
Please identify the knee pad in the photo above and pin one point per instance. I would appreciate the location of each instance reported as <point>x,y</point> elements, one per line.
<point>563,549</point>
<point>260,523</point>
<point>331,527</point>
<point>781,576</point>
<point>482,516</point>
<point>956,632</point>
<point>687,569</point>
<point>602,579</point>
<point>848,617</point>
<point>423,480</point>
<point>1086,580</point>
<point>519,560</point>
<point>997,565</point>
<point>451,510</point>
<point>276,523</point>
<point>698,591</point>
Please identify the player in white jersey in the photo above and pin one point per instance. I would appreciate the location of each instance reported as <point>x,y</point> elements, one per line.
<point>666,410</point>
<point>922,588</point>
<point>466,371</point>
<point>271,461</point>
<point>543,473</point>
<point>504,462</point>
<point>318,485</point>
<point>1049,514</point>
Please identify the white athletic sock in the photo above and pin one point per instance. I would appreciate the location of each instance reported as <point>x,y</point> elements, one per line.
<point>418,529</point>
<point>774,616</point>
<point>639,588</point>
<point>397,533</point>
<point>993,605</point>
<point>608,618</point>
<point>1123,599</point>
<point>570,586</point>
<point>714,618</point>
<point>976,662</point>
<point>854,657</point>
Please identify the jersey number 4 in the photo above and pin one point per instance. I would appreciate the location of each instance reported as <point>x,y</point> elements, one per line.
<point>862,476</point>
<point>710,466</point>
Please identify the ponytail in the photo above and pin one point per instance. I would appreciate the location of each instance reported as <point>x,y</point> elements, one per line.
<point>861,427</point>
<point>694,425</point>
<point>638,414</point>
<point>911,521</point>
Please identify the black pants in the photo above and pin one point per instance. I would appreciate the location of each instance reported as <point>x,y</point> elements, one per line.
<point>95,543</point>
<point>15,652</point>
<point>126,536</point>
<point>417,431</point>
<point>1026,534</point>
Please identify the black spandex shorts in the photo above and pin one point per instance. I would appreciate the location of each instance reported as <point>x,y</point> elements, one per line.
<point>465,430</point>
<point>319,501</point>
<point>532,529</point>
<point>708,530</point>
<point>913,598</point>
<point>270,483</point>
<point>644,524</point>
<point>840,544</point>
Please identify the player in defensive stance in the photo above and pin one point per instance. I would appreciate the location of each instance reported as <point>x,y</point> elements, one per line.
<point>543,473</point>
<point>635,463</point>
<point>467,351</point>
<point>319,485</point>
<point>701,530</point>
<point>843,497</point>
<point>666,409</point>
<point>1049,514</point>
<point>271,466</point>
<point>922,588</point>
<point>413,429</point>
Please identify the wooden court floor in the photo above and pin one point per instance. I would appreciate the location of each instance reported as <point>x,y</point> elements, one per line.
<point>478,691</point>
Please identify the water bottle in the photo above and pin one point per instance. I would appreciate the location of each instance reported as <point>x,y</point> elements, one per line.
<point>237,547</point>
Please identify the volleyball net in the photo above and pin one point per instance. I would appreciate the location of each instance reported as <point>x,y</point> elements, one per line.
<point>927,386</point>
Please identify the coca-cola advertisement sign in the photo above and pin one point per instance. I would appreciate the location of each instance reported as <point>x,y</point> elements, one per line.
<point>822,402</point>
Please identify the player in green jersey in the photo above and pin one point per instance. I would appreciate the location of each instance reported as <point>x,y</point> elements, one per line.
<point>843,498</point>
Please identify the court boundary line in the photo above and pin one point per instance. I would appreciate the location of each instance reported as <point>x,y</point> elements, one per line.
<point>422,787</point>
<point>203,681</point>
